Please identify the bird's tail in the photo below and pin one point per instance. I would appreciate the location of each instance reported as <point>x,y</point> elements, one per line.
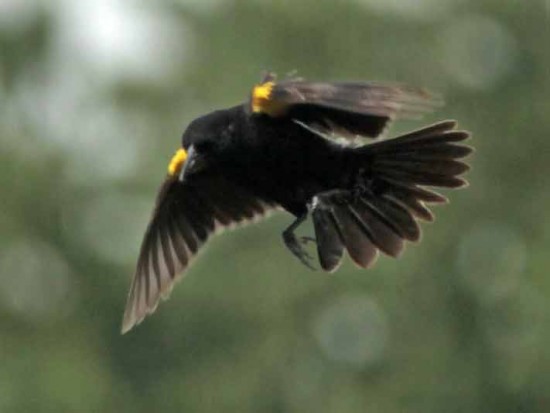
<point>381,211</point>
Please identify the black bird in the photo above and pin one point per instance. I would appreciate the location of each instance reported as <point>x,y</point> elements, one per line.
<point>296,145</point>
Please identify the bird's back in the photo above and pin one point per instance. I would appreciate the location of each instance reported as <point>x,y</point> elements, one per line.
<point>284,161</point>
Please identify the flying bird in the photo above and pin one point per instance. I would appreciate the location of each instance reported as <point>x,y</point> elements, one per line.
<point>302,147</point>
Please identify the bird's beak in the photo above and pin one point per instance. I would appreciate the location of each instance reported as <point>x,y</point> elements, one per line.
<point>193,164</point>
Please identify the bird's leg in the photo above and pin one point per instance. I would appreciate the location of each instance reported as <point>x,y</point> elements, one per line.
<point>296,244</point>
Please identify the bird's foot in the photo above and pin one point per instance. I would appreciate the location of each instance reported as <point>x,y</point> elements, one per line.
<point>296,246</point>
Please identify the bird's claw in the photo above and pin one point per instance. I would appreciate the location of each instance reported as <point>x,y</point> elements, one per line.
<point>305,240</point>
<point>296,246</point>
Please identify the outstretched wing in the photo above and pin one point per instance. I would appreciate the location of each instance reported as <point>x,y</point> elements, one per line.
<point>345,109</point>
<point>185,216</point>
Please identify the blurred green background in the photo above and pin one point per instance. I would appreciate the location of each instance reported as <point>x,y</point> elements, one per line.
<point>94,96</point>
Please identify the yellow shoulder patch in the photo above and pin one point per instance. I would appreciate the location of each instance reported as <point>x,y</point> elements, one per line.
<point>261,95</point>
<point>177,161</point>
<point>262,100</point>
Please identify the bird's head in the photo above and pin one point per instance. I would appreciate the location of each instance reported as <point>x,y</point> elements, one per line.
<point>202,139</point>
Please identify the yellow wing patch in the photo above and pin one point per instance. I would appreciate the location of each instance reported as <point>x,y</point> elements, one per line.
<point>262,100</point>
<point>177,161</point>
<point>261,96</point>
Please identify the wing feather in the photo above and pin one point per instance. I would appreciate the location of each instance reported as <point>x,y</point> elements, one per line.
<point>186,215</point>
<point>343,109</point>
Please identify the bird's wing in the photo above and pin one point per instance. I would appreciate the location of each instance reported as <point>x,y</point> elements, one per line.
<point>185,216</point>
<point>345,109</point>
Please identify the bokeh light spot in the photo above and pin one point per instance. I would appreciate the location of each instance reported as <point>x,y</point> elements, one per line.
<point>35,281</point>
<point>417,9</point>
<point>16,15</point>
<point>478,52</point>
<point>491,258</point>
<point>120,41</point>
<point>353,330</point>
<point>515,328</point>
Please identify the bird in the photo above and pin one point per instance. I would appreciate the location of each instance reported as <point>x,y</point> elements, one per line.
<point>310,148</point>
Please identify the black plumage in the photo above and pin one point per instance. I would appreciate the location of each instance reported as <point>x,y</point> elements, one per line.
<point>274,152</point>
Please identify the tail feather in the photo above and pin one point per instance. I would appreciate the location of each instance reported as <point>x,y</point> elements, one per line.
<point>427,152</point>
<point>440,132</point>
<point>438,127</point>
<point>395,216</point>
<point>330,247</point>
<point>381,210</point>
<point>415,206</point>
<point>422,194</point>
<point>358,242</point>
<point>379,230</point>
<point>416,177</point>
<point>435,166</point>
